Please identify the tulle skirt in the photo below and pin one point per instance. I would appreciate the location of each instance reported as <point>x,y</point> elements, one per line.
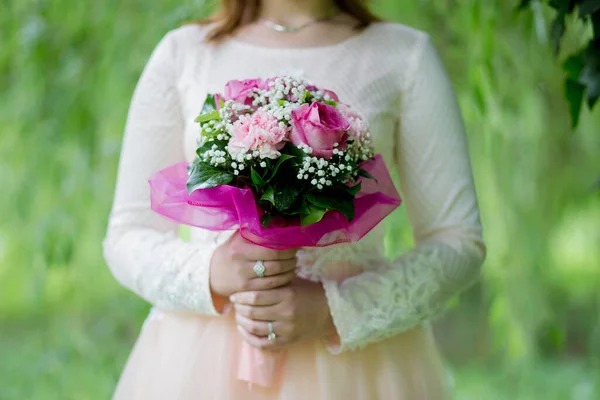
<point>191,357</point>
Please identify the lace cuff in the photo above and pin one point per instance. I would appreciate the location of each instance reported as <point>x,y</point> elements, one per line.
<point>394,298</point>
<point>166,271</point>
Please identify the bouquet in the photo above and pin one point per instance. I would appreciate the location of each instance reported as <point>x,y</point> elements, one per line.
<point>287,164</point>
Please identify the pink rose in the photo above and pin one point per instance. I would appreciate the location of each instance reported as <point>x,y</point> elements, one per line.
<point>259,132</point>
<point>332,95</point>
<point>319,126</point>
<point>218,97</point>
<point>239,91</point>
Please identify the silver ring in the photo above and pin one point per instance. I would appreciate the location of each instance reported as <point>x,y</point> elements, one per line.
<point>259,269</point>
<point>272,336</point>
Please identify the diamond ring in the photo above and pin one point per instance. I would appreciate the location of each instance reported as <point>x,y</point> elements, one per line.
<point>272,336</point>
<point>259,269</point>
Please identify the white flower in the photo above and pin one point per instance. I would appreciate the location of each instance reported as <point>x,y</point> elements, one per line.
<point>263,164</point>
<point>319,186</point>
<point>313,182</point>
<point>236,172</point>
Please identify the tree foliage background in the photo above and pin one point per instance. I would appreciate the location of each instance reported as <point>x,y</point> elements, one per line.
<point>530,328</point>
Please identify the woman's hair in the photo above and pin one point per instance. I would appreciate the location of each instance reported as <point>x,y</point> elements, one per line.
<point>235,13</point>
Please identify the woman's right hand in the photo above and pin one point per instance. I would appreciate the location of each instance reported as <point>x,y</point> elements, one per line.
<point>231,268</point>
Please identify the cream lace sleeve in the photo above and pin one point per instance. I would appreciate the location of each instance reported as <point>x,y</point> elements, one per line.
<point>142,248</point>
<point>437,187</point>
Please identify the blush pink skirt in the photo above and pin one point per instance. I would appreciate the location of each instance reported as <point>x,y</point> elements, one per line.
<point>190,357</point>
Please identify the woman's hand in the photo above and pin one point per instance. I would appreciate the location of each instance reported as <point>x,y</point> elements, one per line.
<point>231,268</point>
<point>298,312</point>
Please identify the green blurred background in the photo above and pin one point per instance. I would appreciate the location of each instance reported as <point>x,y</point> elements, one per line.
<point>529,330</point>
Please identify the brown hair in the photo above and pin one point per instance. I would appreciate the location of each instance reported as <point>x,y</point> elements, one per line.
<point>235,13</point>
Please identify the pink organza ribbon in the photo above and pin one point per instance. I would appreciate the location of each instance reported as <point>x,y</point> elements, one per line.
<point>227,208</point>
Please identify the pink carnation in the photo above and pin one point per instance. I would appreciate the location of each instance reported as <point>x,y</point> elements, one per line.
<point>358,126</point>
<point>257,132</point>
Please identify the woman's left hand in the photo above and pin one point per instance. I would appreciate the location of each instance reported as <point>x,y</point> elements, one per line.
<point>298,312</point>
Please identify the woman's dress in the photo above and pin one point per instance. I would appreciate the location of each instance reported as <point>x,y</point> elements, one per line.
<point>393,75</point>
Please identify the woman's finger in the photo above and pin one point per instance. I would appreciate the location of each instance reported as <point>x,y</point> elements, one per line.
<point>274,267</point>
<point>258,328</point>
<point>261,342</point>
<point>257,298</point>
<point>258,313</point>
<point>270,282</point>
<point>253,252</point>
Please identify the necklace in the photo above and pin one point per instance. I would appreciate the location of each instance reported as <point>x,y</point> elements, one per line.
<point>290,29</point>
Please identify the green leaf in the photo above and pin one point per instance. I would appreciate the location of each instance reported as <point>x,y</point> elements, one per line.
<point>574,65</point>
<point>208,116</point>
<point>266,219</point>
<point>354,189</point>
<point>204,176</point>
<point>316,214</point>
<point>523,5</point>
<point>306,96</point>
<point>302,209</point>
<point>281,102</point>
<point>208,144</point>
<point>330,102</point>
<point>294,151</point>
<point>285,195</point>
<point>557,31</point>
<point>209,104</point>
<point>596,26</point>
<point>269,195</point>
<point>563,6</point>
<point>283,158</point>
<point>590,78</point>
<point>257,179</point>
<point>574,92</point>
<point>362,172</point>
<point>588,7</point>
<point>338,201</point>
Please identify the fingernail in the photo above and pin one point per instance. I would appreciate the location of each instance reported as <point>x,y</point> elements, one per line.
<point>232,298</point>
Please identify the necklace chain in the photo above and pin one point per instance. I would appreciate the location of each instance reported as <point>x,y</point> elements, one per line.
<point>290,29</point>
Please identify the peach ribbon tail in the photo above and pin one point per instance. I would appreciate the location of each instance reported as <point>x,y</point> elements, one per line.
<point>260,367</point>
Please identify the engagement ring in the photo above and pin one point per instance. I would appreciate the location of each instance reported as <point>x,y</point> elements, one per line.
<point>259,269</point>
<point>272,334</point>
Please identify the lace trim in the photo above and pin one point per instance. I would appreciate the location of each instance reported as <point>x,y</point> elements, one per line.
<point>376,305</point>
<point>163,269</point>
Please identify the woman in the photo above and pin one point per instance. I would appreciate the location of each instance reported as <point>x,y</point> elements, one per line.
<point>350,321</point>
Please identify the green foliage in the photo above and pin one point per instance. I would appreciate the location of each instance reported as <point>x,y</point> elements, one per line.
<point>205,176</point>
<point>583,67</point>
<point>337,200</point>
<point>67,71</point>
